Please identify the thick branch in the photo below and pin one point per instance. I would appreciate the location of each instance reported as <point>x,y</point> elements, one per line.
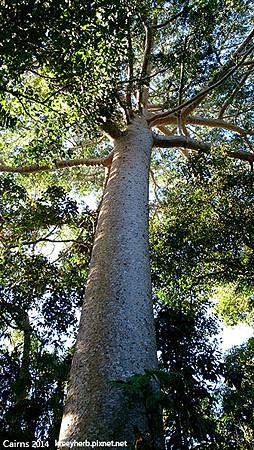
<point>180,141</point>
<point>207,122</point>
<point>185,142</point>
<point>153,107</point>
<point>167,132</point>
<point>111,130</point>
<point>164,130</point>
<point>60,164</point>
<point>217,123</point>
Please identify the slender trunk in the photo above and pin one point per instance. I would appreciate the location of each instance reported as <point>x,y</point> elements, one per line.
<point>116,338</point>
<point>24,378</point>
<point>23,381</point>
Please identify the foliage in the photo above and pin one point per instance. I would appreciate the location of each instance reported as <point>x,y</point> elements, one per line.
<point>37,415</point>
<point>82,46</point>
<point>202,236</point>
<point>235,305</point>
<point>67,65</point>
<point>189,354</point>
<point>39,296</point>
<point>237,421</point>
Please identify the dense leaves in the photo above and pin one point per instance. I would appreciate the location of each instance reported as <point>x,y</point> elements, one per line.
<point>45,249</point>
<point>33,407</point>
<point>81,45</point>
<point>193,366</point>
<point>206,238</point>
<point>238,422</point>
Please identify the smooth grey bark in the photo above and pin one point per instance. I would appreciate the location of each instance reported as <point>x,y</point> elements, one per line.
<point>116,338</point>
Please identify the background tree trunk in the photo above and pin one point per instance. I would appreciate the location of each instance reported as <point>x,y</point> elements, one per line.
<point>116,338</point>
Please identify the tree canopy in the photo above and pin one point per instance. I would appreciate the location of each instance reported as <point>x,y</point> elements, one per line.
<point>69,69</point>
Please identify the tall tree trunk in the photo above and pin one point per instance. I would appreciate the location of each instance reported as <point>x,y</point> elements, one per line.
<point>116,338</point>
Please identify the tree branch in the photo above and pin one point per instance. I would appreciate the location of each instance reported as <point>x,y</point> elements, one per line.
<point>217,123</point>
<point>231,97</point>
<point>179,141</point>
<point>111,130</point>
<point>167,132</point>
<point>207,122</point>
<point>153,107</point>
<point>146,66</point>
<point>196,100</point>
<point>130,71</point>
<point>244,43</point>
<point>59,164</point>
